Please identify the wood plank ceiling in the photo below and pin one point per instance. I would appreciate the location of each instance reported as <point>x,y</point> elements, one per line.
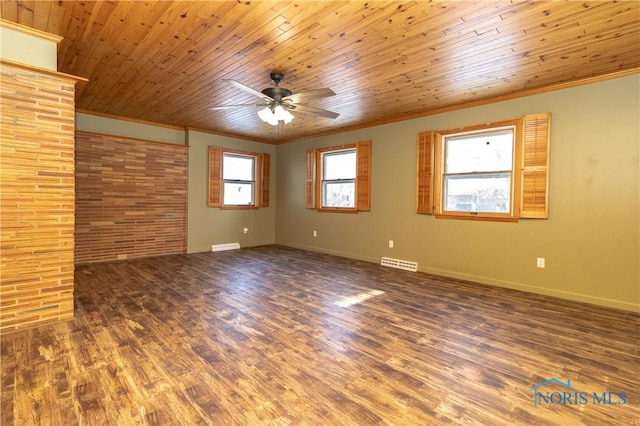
<point>386,61</point>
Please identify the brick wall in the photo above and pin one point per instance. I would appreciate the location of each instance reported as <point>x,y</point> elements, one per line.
<point>131,198</point>
<point>36,196</point>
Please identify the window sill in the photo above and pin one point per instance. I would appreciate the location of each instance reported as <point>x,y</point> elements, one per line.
<point>478,217</point>
<point>349,210</point>
<point>240,207</point>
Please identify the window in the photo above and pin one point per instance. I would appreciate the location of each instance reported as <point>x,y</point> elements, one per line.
<point>477,171</point>
<point>338,178</point>
<point>238,174</point>
<point>495,172</point>
<point>238,179</point>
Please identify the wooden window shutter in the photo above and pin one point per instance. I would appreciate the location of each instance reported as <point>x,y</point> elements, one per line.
<point>310,182</point>
<point>363,176</point>
<point>424,189</point>
<point>265,181</point>
<point>215,176</point>
<point>534,196</point>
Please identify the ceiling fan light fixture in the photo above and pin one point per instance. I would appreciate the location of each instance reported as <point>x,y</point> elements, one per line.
<point>273,115</point>
<point>265,114</point>
<point>282,114</point>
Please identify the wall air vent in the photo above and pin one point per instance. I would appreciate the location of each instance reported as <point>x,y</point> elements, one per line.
<point>399,264</point>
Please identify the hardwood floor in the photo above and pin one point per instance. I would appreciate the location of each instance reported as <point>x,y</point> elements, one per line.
<point>277,336</point>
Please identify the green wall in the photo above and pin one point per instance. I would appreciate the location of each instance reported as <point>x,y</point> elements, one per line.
<point>590,242</point>
<point>208,225</point>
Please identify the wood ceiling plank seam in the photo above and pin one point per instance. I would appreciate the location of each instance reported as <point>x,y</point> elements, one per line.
<point>509,14</point>
<point>121,60</point>
<point>217,59</point>
<point>55,25</point>
<point>209,10</point>
<point>68,49</point>
<point>41,16</point>
<point>585,18</point>
<point>327,16</point>
<point>9,11</point>
<point>535,38</point>
<point>266,54</point>
<point>522,19</point>
<point>92,47</point>
<point>360,27</point>
<point>589,43</point>
<point>136,69</point>
<point>191,69</point>
<point>98,44</point>
<point>280,51</point>
<point>432,36</point>
<point>140,40</point>
<point>59,24</point>
<point>603,12</point>
<point>362,62</point>
<point>488,11</point>
<point>25,12</point>
<point>577,33</point>
<point>368,66</point>
<point>455,58</point>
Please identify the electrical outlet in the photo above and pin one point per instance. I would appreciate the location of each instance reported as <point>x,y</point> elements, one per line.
<point>390,243</point>
<point>540,262</point>
<point>245,230</point>
<point>315,233</point>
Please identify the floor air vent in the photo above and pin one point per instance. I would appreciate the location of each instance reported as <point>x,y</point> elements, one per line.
<point>223,247</point>
<point>399,264</point>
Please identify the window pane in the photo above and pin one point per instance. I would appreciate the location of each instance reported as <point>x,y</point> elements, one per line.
<point>485,152</point>
<point>237,167</point>
<point>487,193</point>
<point>238,194</point>
<point>339,165</point>
<point>339,194</point>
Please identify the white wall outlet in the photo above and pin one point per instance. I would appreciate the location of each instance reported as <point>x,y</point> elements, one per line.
<point>540,262</point>
<point>315,233</point>
<point>245,230</point>
<point>390,243</point>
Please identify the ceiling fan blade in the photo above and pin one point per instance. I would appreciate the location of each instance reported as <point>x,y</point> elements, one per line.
<point>247,89</point>
<point>215,108</point>
<point>317,111</point>
<point>310,94</point>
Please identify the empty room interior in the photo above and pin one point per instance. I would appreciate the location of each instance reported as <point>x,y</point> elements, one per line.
<point>320,213</point>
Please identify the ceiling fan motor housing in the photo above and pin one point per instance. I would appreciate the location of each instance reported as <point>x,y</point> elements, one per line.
<point>277,93</point>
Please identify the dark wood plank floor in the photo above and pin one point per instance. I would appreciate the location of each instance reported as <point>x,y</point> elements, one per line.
<point>277,336</point>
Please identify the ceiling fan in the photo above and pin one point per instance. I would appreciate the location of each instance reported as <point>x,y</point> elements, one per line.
<point>278,102</point>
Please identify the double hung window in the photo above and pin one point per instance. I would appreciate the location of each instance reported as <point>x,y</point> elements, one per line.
<point>238,179</point>
<point>338,178</point>
<point>239,176</point>
<point>477,174</point>
<point>497,171</point>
